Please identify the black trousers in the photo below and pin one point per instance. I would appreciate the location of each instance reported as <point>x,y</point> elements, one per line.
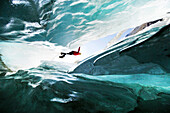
<point>64,54</point>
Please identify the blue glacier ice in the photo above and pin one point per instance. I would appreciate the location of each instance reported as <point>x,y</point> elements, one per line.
<point>124,66</point>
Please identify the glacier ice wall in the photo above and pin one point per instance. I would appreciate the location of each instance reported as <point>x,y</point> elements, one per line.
<point>150,56</point>
<point>27,28</point>
<point>74,23</point>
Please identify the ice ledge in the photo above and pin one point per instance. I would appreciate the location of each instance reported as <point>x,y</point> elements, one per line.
<point>150,56</point>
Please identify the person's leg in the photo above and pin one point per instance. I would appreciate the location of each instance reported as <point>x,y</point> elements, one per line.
<point>70,53</point>
<point>62,55</point>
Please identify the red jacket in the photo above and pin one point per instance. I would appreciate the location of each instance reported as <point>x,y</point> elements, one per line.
<point>77,53</point>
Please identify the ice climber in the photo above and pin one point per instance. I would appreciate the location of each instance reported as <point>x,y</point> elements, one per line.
<point>70,53</point>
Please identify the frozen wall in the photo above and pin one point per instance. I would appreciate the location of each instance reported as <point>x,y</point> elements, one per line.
<point>150,56</point>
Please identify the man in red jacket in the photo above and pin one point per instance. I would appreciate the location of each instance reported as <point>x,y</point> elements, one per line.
<point>70,53</point>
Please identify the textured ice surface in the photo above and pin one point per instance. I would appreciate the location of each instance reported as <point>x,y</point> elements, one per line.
<point>150,56</point>
<point>111,86</point>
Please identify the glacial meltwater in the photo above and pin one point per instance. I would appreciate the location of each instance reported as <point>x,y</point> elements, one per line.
<point>124,66</point>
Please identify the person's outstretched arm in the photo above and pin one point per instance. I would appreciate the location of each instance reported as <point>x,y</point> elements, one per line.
<point>78,49</point>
